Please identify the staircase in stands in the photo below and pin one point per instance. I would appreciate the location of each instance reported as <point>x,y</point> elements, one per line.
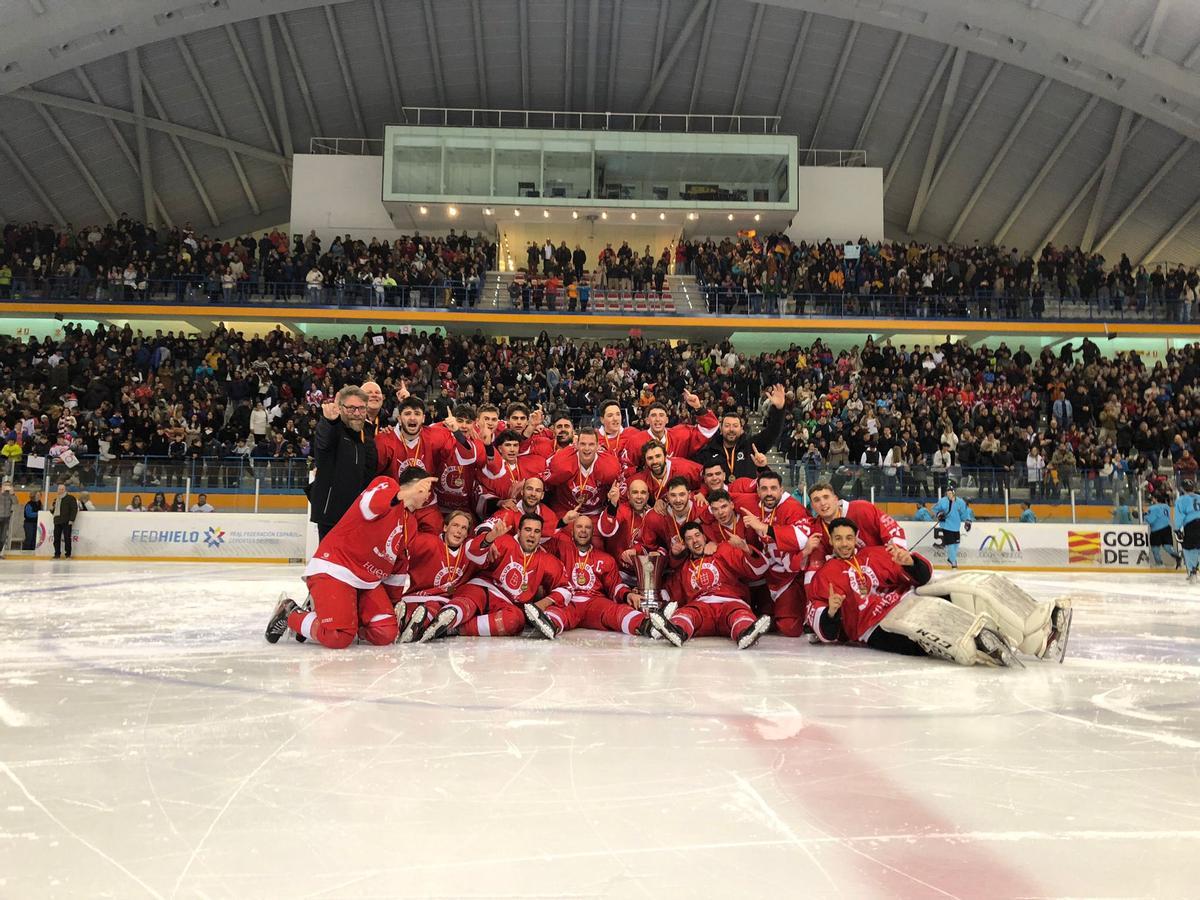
<point>681,296</point>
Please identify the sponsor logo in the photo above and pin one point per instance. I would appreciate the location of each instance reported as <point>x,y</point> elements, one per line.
<point>214,537</point>
<point>1083,547</point>
<point>1001,545</point>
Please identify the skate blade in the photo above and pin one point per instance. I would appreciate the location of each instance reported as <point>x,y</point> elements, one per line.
<point>757,630</point>
<point>1062,632</point>
<point>996,651</point>
<point>659,624</point>
<point>408,633</point>
<point>539,620</point>
<point>438,627</point>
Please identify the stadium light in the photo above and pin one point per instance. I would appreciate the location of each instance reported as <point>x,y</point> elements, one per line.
<point>422,209</point>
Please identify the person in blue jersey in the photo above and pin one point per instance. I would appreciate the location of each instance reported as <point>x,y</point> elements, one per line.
<point>951,511</point>
<point>922,514</point>
<point>1028,516</point>
<point>1121,514</point>
<point>1158,519</point>
<point>1187,525</point>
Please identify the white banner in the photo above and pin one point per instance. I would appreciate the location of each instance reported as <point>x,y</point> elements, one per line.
<point>274,537</point>
<point>1087,545</point>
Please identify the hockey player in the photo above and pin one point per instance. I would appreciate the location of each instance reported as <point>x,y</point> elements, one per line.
<point>345,575</point>
<point>535,437</point>
<point>514,572</point>
<point>680,441</point>
<point>712,590</point>
<point>613,434</point>
<point>457,484</point>
<point>435,566</point>
<point>885,598</point>
<point>579,477</point>
<point>1187,526</point>
<point>621,522</point>
<point>430,447</point>
<point>658,469</point>
<point>713,478</point>
<point>529,501</point>
<point>952,514</point>
<point>1158,520</point>
<point>504,471</point>
<point>663,531</point>
<point>597,597</point>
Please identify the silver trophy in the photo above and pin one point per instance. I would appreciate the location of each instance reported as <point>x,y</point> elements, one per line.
<point>648,569</point>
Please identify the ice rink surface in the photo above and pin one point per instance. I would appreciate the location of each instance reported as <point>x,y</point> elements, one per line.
<point>153,744</point>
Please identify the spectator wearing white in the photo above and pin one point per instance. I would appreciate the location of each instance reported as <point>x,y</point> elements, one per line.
<point>1035,465</point>
<point>258,421</point>
<point>315,281</point>
<point>202,505</point>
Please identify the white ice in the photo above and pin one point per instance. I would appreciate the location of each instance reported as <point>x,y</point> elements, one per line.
<point>153,744</point>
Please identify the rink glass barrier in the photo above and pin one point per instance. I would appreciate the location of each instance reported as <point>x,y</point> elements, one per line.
<point>711,299</point>
<point>1086,546</point>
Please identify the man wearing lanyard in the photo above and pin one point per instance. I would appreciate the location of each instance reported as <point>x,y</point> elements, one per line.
<point>621,522</point>
<point>515,573</point>
<point>769,508</point>
<point>680,441</point>
<point>713,593</point>
<point>658,469</point>
<point>662,531</point>
<point>580,476</point>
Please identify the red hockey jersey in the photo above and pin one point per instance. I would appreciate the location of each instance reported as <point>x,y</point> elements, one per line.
<point>872,585</point>
<point>569,485</point>
<point>519,576</point>
<point>364,546</point>
<point>433,449</point>
<point>723,575</point>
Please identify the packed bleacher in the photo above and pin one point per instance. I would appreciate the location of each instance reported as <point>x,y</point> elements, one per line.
<point>127,260</point>
<point>774,274</point>
<point>899,421</point>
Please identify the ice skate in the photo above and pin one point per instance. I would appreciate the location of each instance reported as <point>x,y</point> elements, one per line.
<point>995,650</point>
<point>668,629</point>
<point>304,605</point>
<point>278,623</point>
<point>1060,630</point>
<point>538,619</point>
<point>669,609</point>
<point>439,627</point>
<point>409,627</point>
<point>749,635</point>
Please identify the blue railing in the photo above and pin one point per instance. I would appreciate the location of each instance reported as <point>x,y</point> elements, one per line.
<point>234,474</point>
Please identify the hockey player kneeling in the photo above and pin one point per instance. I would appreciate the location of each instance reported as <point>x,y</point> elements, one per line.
<point>885,598</point>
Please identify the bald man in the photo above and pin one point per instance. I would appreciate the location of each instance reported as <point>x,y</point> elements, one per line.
<point>374,408</point>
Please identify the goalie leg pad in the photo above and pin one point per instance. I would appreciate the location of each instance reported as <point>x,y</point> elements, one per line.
<point>1025,621</point>
<point>940,628</point>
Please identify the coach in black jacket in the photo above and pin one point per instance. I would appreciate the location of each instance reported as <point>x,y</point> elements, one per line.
<point>732,448</point>
<point>345,457</point>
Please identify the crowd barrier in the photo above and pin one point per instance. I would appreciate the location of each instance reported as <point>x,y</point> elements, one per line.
<point>1038,547</point>
<point>182,537</point>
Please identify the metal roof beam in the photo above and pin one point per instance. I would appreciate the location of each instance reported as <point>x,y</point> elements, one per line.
<point>747,59</point>
<point>785,90</point>
<point>244,64</point>
<point>435,55</point>
<point>159,124</point>
<point>935,143</point>
<point>681,41</point>
<point>884,80</point>
<point>1111,163</point>
<point>1013,132</point>
<point>389,58</point>
<point>281,116</point>
<point>1051,160</point>
<point>1161,244</point>
<point>836,83</point>
<point>614,42</point>
<point>1130,208</point>
<point>916,119</point>
<point>119,137</point>
<point>523,26</point>
<point>339,49</point>
<point>189,62</point>
<point>660,31</point>
<point>197,182</point>
<point>702,54</point>
<point>1083,192</point>
<point>593,41</point>
<point>7,149</point>
<point>1154,27</point>
<point>301,82</point>
<point>75,158</point>
<point>569,57</point>
<point>145,176</point>
<point>1091,13</point>
<point>961,131</point>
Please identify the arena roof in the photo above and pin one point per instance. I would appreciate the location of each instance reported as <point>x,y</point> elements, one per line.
<point>1018,121</point>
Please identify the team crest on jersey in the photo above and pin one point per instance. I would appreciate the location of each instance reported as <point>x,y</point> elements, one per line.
<point>447,576</point>
<point>867,584</point>
<point>582,577</point>
<point>452,479</point>
<point>514,578</point>
<point>704,576</point>
<point>408,463</point>
<point>391,547</point>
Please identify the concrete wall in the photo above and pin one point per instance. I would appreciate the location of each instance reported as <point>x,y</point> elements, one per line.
<point>839,203</point>
<point>338,195</point>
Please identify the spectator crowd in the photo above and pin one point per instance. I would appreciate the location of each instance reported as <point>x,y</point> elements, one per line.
<point>904,419</point>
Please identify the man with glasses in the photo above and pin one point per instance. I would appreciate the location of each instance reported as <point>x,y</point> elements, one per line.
<point>345,458</point>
